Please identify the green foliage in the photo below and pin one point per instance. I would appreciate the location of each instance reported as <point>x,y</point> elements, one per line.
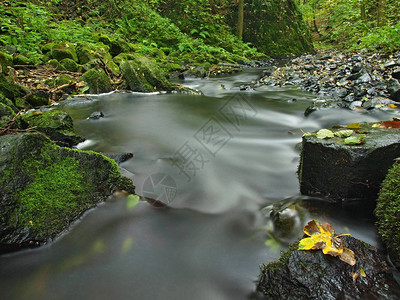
<point>354,23</point>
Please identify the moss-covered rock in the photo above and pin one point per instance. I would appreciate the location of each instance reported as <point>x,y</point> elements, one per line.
<point>6,114</point>
<point>22,60</point>
<point>116,45</point>
<point>9,89</point>
<point>38,98</point>
<point>276,28</point>
<point>69,65</point>
<point>97,81</point>
<point>5,61</point>
<point>388,213</point>
<point>56,124</point>
<point>63,79</point>
<point>45,187</point>
<point>62,51</point>
<point>142,75</point>
<point>96,55</point>
<point>55,64</point>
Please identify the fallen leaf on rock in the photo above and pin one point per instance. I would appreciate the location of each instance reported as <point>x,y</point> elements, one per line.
<point>362,272</point>
<point>322,237</point>
<point>344,133</point>
<point>354,140</point>
<point>325,134</point>
<point>354,126</point>
<point>390,124</point>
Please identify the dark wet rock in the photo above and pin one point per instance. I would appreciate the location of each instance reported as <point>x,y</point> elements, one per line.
<point>329,168</point>
<point>357,68</point>
<point>396,73</point>
<point>195,72</point>
<point>387,213</point>
<point>393,87</point>
<point>97,81</point>
<point>119,157</point>
<point>44,188</point>
<point>55,124</point>
<point>96,115</point>
<point>313,275</point>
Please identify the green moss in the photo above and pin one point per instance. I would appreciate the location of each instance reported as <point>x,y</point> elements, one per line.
<point>97,81</point>
<point>22,60</point>
<point>62,51</point>
<point>63,79</point>
<point>388,212</point>
<point>69,64</point>
<point>9,89</point>
<point>51,186</point>
<point>5,61</point>
<point>54,197</point>
<point>6,114</point>
<point>282,260</point>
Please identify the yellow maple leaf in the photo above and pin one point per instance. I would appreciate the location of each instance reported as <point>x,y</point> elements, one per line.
<point>322,237</point>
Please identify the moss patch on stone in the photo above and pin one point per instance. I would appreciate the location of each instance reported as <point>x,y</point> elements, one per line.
<point>97,81</point>
<point>45,187</point>
<point>388,213</point>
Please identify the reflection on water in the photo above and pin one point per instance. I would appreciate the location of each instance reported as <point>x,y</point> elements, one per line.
<point>216,159</point>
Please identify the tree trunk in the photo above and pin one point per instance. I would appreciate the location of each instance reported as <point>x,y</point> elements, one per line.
<point>362,8</point>
<point>381,12</point>
<point>240,20</point>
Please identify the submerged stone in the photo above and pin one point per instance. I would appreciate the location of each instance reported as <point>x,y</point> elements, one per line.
<point>313,275</point>
<point>338,171</point>
<point>44,188</point>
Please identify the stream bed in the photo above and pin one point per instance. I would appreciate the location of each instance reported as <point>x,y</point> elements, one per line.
<point>216,160</point>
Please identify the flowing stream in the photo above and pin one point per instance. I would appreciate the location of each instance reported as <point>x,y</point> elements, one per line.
<point>216,160</point>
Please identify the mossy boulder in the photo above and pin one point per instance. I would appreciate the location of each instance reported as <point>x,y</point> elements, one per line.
<point>56,124</point>
<point>22,60</point>
<point>62,51</point>
<point>388,213</point>
<point>95,55</point>
<point>44,188</point>
<point>5,61</point>
<point>38,98</point>
<point>97,81</point>
<point>55,64</point>
<point>9,89</point>
<point>117,45</point>
<point>314,275</point>
<point>142,75</point>
<point>338,171</point>
<point>69,64</point>
<point>6,114</point>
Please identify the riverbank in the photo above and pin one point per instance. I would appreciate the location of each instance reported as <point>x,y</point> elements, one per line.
<point>358,81</point>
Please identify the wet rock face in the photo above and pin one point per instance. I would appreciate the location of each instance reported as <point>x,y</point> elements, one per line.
<point>313,275</point>
<point>329,168</point>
